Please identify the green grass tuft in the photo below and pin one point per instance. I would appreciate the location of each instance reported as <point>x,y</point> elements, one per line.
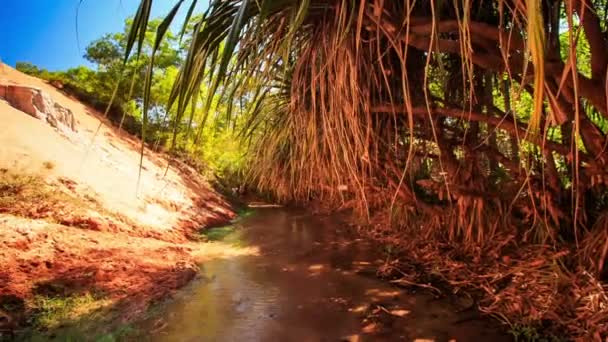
<point>83,317</point>
<point>219,233</point>
<point>527,333</point>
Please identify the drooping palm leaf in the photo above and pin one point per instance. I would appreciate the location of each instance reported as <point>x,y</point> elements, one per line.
<point>333,89</point>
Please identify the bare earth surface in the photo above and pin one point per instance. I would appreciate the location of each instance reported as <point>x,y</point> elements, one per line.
<point>106,167</point>
<point>98,231</point>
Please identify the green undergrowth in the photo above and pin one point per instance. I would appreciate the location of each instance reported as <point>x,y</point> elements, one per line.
<point>231,235</point>
<point>54,312</point>
<point>244,213</point>
<point>526,333</point>
<point>218,233</point>
<point>78,317</point>
<point>228,234</point>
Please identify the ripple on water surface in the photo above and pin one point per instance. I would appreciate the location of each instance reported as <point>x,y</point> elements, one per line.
<point>310,282</point>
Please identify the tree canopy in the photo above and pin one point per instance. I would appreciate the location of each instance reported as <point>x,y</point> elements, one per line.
<point>481,107</point>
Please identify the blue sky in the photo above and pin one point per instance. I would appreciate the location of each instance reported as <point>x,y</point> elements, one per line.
<point>43,32</point>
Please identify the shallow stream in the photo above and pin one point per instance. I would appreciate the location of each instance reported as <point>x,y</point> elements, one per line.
<point>311,281</point>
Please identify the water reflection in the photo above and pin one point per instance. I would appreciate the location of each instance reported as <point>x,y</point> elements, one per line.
<point>305,285</point>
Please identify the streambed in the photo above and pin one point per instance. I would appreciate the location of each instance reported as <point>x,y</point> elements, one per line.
<point>312,280</point>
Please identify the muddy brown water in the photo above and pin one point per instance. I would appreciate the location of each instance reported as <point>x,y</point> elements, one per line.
<point>312,281</point>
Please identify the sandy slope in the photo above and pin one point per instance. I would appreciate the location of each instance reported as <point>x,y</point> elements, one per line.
<point>132,247</point>
<point>106,167</point>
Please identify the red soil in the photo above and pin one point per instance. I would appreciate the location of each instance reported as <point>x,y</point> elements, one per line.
<point>43,258</point>
<point>93,231</point>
